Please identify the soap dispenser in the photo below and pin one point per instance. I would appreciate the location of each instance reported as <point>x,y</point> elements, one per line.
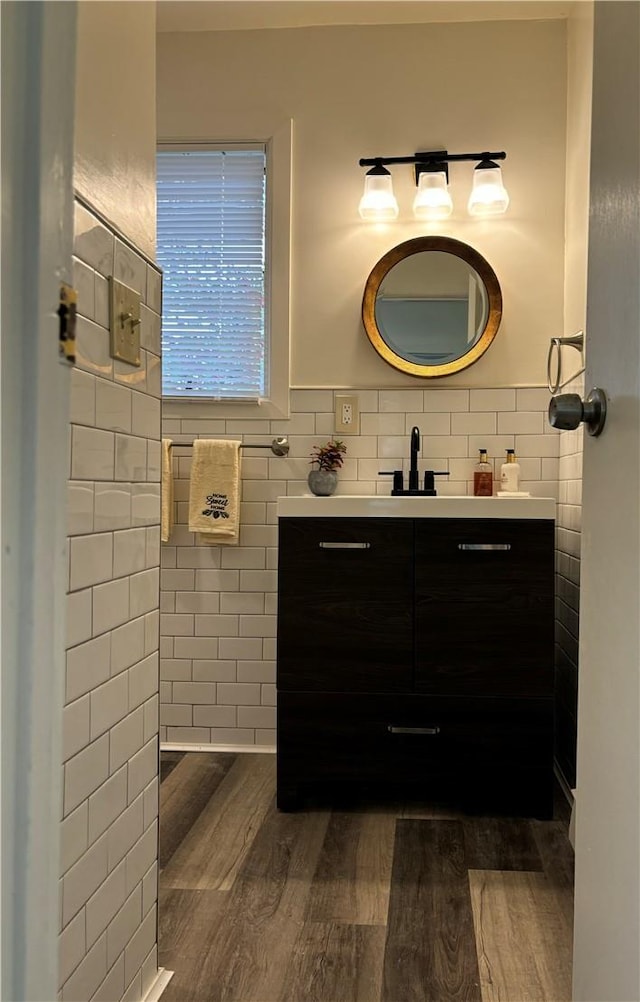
<point>482,477</point>
<point>510,473</point>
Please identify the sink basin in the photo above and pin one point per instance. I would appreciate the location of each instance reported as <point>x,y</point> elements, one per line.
<point>385,506</point>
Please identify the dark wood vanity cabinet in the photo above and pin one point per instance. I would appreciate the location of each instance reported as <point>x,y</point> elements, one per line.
<point>415,657</point>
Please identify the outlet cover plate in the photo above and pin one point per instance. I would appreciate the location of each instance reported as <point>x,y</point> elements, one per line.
<point>124,322</point>
<point>347,417</point>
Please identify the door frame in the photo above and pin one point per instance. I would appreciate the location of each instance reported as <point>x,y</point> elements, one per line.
<point>38,92</point>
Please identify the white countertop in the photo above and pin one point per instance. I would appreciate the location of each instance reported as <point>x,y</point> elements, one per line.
<point>385,506</point>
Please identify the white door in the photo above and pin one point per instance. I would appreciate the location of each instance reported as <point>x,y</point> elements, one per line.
<point>38,87</point>
<point>607,900</point>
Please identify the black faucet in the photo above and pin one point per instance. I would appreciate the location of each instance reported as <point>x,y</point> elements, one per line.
<point>415,449</point>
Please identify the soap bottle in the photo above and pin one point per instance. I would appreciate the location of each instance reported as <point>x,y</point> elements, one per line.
<point>510,473</point>
<point>483,477</point>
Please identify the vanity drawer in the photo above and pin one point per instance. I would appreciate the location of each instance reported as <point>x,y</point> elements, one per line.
<point>345,604</point>
<point>421,741</point>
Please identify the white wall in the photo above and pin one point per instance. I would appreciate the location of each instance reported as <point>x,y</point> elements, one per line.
<point>352,92</point>
<point>115,115</point>
<point>367,90</point>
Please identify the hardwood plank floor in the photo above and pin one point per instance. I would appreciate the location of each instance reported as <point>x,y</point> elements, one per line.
<point>430,949</point>
<point>211,853</point>
<point>335,963</point>
<point>524,941</point>
<point>351,884</point>
<point>186,788</point>
<point>378,904</point>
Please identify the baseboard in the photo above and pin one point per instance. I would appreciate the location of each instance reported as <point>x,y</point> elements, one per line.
<point>564,786</point>
<point>163,978</point>
<point>571,796</point>
<point>241,749</point>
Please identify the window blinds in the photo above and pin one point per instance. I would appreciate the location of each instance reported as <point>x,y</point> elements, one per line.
<point>211,247</point>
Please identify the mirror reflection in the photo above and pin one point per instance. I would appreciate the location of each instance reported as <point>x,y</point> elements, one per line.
<point>432,306</point>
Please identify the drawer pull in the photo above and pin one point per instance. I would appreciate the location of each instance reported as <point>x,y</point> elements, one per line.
<point>412,730</point>
<point>344,546</point>
<point>484,546</point>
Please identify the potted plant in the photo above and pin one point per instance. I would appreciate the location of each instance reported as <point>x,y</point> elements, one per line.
<point>326,460</point>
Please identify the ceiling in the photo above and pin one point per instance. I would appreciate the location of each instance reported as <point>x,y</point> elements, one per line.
<point>233,15</point>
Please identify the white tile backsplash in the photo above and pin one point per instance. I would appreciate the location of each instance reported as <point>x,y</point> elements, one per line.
<point>129,551</point>
<point>79,617</point>
<point>80,501</point>
<point>112,506</point>
<point>130,268</point>
<point>399,401</point>
<point>92,454</point>
<point>492,400</point>
<point>110,605</point>
<point>82,408</point>
<point>85,772</point>
<point>219,619</point>
<point>109,704</point>
<point>154,292</point>
<point>111,715</point>
<point>113,406</point>
<point>446,401</point>
<point>146,416</point>
<point>92,348</point>
<point>130,458</point>
<point>90,560</point>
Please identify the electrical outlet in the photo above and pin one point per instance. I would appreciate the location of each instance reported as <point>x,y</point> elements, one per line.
<point>347,415</point>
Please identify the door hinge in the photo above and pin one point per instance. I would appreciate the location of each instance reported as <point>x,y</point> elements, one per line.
<point>67,309</point>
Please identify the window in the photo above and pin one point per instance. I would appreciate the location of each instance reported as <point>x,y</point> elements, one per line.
<point>211,247</point>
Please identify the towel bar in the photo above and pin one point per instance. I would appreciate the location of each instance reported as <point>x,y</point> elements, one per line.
<point>279,446</point>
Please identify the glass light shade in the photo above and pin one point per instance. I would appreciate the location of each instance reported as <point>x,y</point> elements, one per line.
<point>432,200</point>
<point>378,203</point>
<point>489,196</point>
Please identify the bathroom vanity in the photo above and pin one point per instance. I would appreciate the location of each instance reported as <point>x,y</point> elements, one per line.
<point>415,649</point>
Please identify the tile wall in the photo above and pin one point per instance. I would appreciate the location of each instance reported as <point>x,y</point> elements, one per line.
<point>568,594</point>
<point>108,948</point>
<point>218,603</point>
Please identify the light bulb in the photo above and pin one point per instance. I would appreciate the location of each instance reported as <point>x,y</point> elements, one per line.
<point>432,200</point>
<point>489,196</point>
<point>378,203</point>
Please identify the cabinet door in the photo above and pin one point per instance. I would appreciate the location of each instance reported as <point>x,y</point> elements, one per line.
<point>484,606</point>
<point>345,604</point>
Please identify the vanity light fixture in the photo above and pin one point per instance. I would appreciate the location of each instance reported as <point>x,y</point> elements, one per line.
<point>378,203</point>
<point>488,196</point>
<point>433,200</point>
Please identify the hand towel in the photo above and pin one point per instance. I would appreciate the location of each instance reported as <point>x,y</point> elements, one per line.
<point>166,519</point>
<point>214,490</point>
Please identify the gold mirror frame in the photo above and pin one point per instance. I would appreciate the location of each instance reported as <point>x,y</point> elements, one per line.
<point>448,246</point>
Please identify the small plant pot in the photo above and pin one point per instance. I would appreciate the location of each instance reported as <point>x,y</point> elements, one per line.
<point>322,483</point>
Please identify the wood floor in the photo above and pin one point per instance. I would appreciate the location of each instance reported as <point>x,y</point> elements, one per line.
<point>382,903</point>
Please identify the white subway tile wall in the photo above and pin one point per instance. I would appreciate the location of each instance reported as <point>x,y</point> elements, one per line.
<point>110,809</point>
<point>218,604</point>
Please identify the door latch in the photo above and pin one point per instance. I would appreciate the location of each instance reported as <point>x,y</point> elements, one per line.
<point>67,311</point>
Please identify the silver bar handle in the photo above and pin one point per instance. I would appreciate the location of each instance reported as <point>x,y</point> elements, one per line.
<point>484,546</point>
<point>344,546</point>
<point>412,730</point>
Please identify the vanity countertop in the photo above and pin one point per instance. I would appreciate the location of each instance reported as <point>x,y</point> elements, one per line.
<point>386,506</point>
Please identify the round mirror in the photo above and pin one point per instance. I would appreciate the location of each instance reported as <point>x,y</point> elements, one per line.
<point>432,306</point>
